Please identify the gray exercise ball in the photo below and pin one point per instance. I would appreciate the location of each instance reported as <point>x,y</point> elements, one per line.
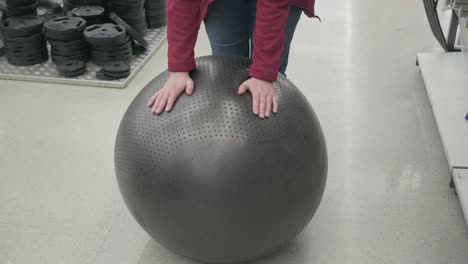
<point>210,180</point>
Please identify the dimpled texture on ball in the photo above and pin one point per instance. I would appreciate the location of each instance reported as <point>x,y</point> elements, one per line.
<point>210,180</point>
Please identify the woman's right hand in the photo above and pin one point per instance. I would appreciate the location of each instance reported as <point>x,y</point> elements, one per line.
<point>165,98</point>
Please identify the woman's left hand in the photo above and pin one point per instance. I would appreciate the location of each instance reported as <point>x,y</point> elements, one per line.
<point>264,96</point>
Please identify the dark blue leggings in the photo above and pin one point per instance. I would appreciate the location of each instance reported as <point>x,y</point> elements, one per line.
<point>230,25</point>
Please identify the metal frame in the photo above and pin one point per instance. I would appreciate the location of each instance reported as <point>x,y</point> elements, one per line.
<point>446,42</point>
<point>452,34</point>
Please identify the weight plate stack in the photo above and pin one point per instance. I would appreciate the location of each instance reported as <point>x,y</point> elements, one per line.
<point>92,14</point>
<point>24,42</point>
<point>19,8</point>
<point>65,35</point>
<point>69,5</point>
<point>155,11</point>
<point>132,12</point>
<point>109,42</point>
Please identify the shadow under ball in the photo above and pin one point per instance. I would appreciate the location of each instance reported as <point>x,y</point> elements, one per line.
<point>210,180</point>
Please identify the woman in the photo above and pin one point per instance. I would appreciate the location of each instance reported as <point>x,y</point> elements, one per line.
<point>258,29</point>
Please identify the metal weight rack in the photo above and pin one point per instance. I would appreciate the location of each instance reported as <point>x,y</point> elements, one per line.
<point>46,72</point>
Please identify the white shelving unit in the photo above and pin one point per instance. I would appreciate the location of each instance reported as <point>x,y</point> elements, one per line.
<point>460,178</point>
<point>446,78</point>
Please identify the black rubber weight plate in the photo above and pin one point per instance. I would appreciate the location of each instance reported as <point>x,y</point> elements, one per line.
<point>19,3</point>
<point>138,50</point>
<point>88,11</point>
<point>101,62</point>
<point>116,67</point>
<point>28,8</point>
<point>69,53</point>
<point>132,32</point>
<point>120,45</point>
<point>70,56</point>
<point>2,49</point>
<point>63,36</point>
<point>65,24</point>
<point>86,2</point>
<point>108,58</point>
<point>71,66</point>
<point>26,52</point>
<point>117,75</point>
<point>73,50</point>
<point>29,62</point>
<point>105,34</point>
<point>38,38</point>
<point>25,46</point>
<point>21,27</point>
<point>102,75</point>
<point>80,47</point>
<point>74,74</point>
<point>23,11</point>
<point>113,53</point>
<point>60,59</point>
<point>74,43</point>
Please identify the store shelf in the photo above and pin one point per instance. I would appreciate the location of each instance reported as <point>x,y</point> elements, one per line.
<point>453,130</point>
<point>446,77</point>
<point>445,74</point>
<point>460,179</point>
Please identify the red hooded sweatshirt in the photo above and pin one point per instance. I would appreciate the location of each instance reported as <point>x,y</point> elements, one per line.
<point>184,18</point>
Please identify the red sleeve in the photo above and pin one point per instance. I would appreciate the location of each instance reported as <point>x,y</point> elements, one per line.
<point>269,37</point>
<point>183,24</point>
